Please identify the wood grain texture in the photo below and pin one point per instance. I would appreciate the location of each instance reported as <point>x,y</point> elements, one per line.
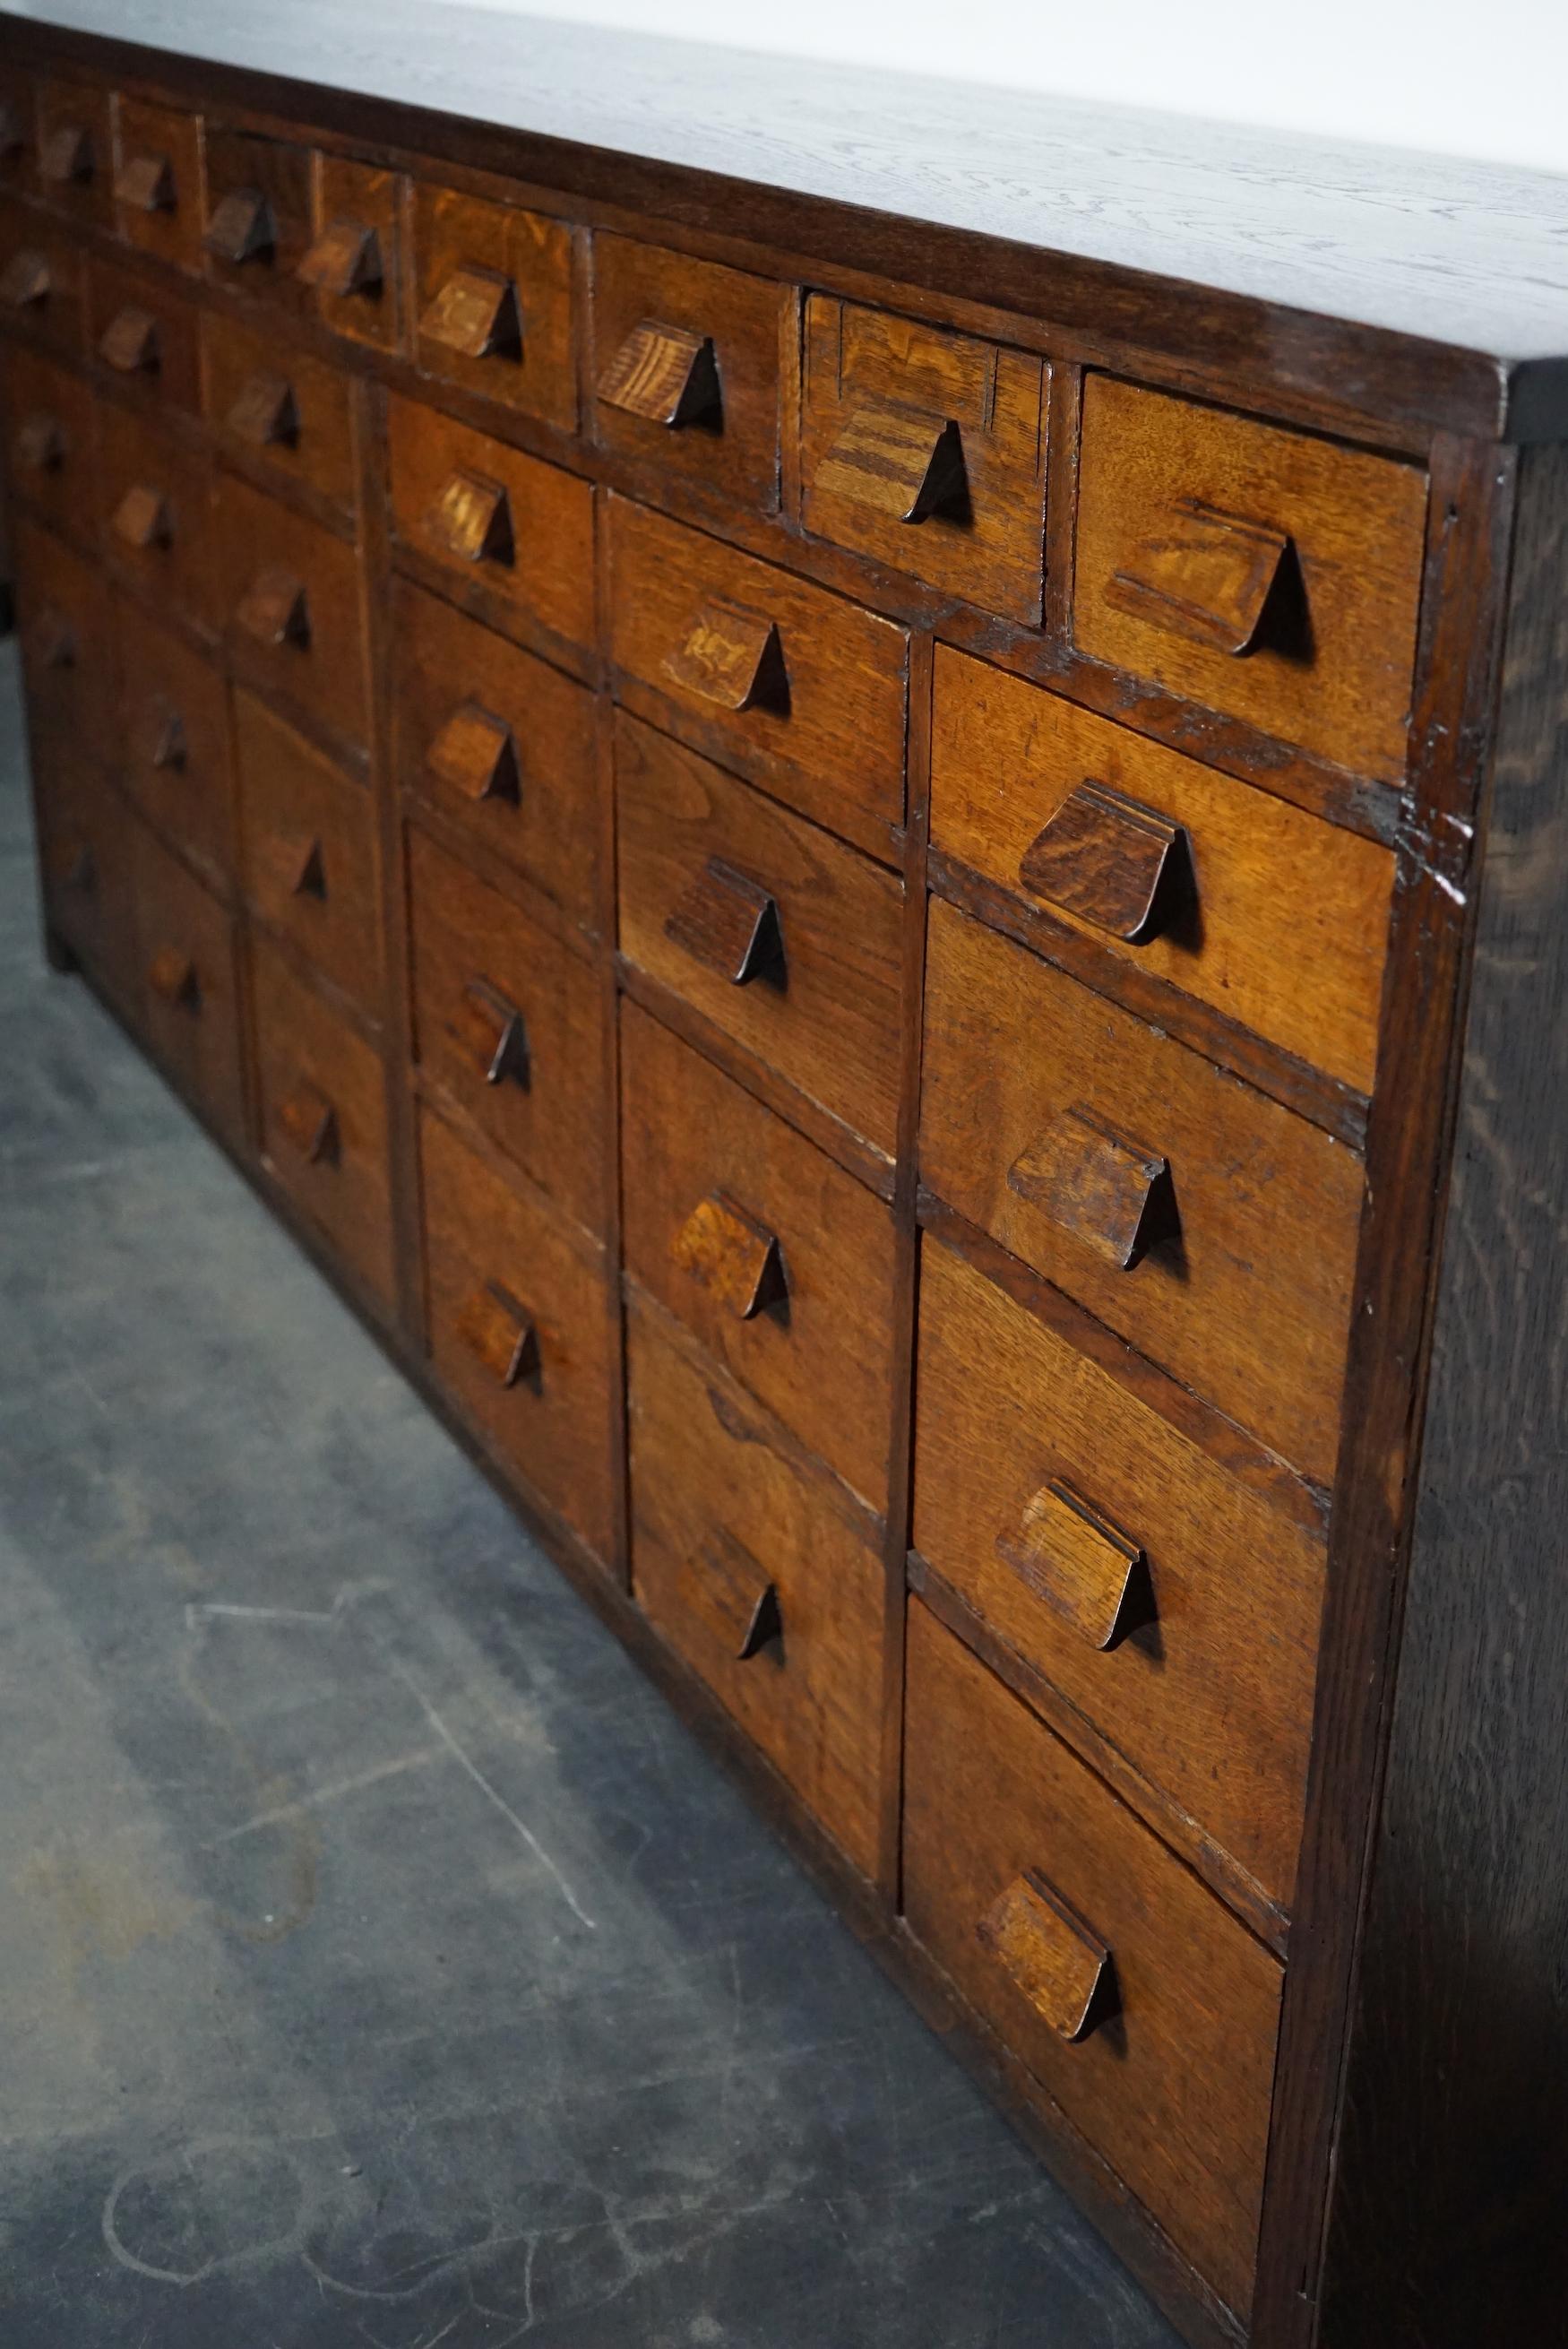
<point>363,202</point>
<point>309,852</point>
<point>279,407</point>
<point>530,364</point>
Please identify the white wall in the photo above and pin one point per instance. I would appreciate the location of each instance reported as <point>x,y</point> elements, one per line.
<point>1490,80</point>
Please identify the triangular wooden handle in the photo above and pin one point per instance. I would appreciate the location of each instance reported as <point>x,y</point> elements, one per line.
<point>344,259</point>
<point>26,281</point>
<point>173,975</point>
<point>128,343</point>
<point>1109,860</point>
<point>730,1253</point>
<point>472,519</point>
<point>724,1587</point>
<point>142,518</point>
<point>67,154</point>
<point>1113,1195</point>
<point>1203,575</point>
<point>309,1122</point>
<point>502,1334</point>
<point>666,375</point>
<point>274,609</point>
<point>732,657</point>
<point>494,1034</point>
<point>476,314</point>
<point>40,444</point>
<point>1056,1960</point>
<point>475,753</point>
<point>146,184</point>
<point>1068,1553</point>
<point>264,411</point>
<point>728,921</point>
<point>898,460</point>
<point>242,227</point>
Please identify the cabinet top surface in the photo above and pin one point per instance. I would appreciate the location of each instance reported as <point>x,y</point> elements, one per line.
<point>1471,256</point>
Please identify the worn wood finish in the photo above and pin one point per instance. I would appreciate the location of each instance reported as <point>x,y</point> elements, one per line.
<point>41,274</point>
<point>355,262</point>
<point>258,219</point>
<point>157,180</point>
<point>174,754</point>
<point>156,514</point>
<point>145,335</point>
<point>50,436</point>
<point>309,852</point>
<point>492,303</point>
<point>292,597</point>
<point>278,408</point>
<point>74,149</point>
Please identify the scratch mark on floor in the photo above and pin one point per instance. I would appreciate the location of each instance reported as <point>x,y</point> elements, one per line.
<point>200,1611</point>
<point>320,1795</point>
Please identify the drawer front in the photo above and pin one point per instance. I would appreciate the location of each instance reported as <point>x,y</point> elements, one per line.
<point>86,860</point>
<point>927,451</point>
<point>1259,571</point>
<point>158,181</point>
<point>1212,1228</point>
<point>1171,1604</point>
<point>284,409</point>
<point>321,1091</point>
<point>520,1330</point>
<point>492,309</point>
<point>687,359</point>
<point>258,226</point>
<point>50,436</point>
<point>1244,902</point>
<point>1054,1911</point>
<point>68,655</point>
<point>783,936</point>
<point>801,690</point>
<point>355,264</point>
<point>310,853</point>
<point>18,130</point>
<point>294,621</point>
<point>501,743</point>
<point>748,1567</point>
<point>174,738</point>
<point>510,1022</point>
<point>154,497</point>
<point>777,1260</point>
<point>76,151</point>
<point>145,335</point>
<point>189,985</point>
<point>41,271</point>
<point>494,519</point>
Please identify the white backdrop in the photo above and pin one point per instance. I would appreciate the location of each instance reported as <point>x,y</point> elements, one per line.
<point>1441,74</point>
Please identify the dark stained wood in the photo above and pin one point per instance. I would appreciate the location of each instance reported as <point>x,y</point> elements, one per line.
<point>40,280</point>
<point>258,216</point>
<point>75,149</point>
<point>146,334</point>
<point>355,262</point>
<point>50,436</point>
<point>67,631</point>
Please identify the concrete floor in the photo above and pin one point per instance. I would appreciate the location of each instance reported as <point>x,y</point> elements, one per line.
<point>380,1963</point>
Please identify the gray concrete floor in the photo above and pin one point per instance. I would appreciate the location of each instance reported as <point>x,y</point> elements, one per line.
<point>380,1962</point>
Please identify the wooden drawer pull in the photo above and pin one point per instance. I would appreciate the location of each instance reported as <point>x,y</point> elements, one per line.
<point>476,314</point>
<point>730,1253</point>
<point>900,461</point>
<point>1109,861</point>
<point>146,183</point>
<point>665,374</point>
<point>67,155</point>
<point>161,735</point>
<point>733,657</point>
<point>26,281</point>
<point>730,922</point>
<point>52,641</point>
<point>242,227</point>
<point>304,866</point>
<point>130,342</point>
<point>724,1586</point>
<point>142,518</point>
<point>1048,1954</point>
<point>309,1122</point>
<point>172,974</point>
<point>1113,1195</point>
<point>40,445</point>
<point>275,609</point>
<point>1071,1555</point>
<point>265,412</point>
<point>475,753</point>
<point>344,259</point>
<point>502,1335</point>
<point>472,519</point>
<point>1205,575</point>
<point>496,1034</point>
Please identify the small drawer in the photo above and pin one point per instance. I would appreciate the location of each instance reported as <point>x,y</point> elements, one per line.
<point>76,151</point>
<point>41,272</point>
<point>158,181</point>
<point>1175,1605</point>
<point>50,437</point>
<point>68,655</point>
<point>85,860</point>
<point>309,851</point>
<point>18,130</point>
<point>1148,2014</point>
<point>321,1091</point>
<point>803,692</point>
<point>1212,1230</point>
<point>777,1260</point>
<point>511,1023</point>
<point>174,738</point>
<point>354,264</point>
<point>778,934</point>
<point>492,303</point>
<point>520,1322</point>
<point>926,450</point>
<point>145,335</point>
<point>753,1570</point>
<point>188,987</point>
<point>1265,574</point>
<point>686,358</point>
<point>154,497</point>
<point>275,404</point>
<point>258,223</point>
<point>491,518</point>
<point>501,743</point>
<point>294,624</point>
<point>1241,900</point>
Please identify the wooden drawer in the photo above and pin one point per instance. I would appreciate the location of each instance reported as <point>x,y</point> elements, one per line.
<point>927,450</point>
<point>492,518</point>
<point>1212,1228</point>
<point>76,151</point>
<point>778,934</point>
<point>18,130</point>
<point>157,180</point>
<point>803,692</point>
<point>190,1000</point>
<point>309,851</point>
<point>155,496</point>
<point>322,1092</point>
<point>752,1569</point>
<point>687,359</point>
<point>50,436</point>
<point>519,1329</point>
<point>174,738</point>
<point>1172,1603</point>
<point>1262,573</point>
<point>294,621</point>
<point>501,743</point>
<point>1244,902</point>
<point>493,308</point>
<point>40,280</point>
<point>258,226</point>
<point>145,334</point>
<point>67,654</point>
<point>87,861</point>
<point>1051,1907</point>
<point>511,1023</point>
<point>356,262</point>
<point>280,407</point>
<point>777,1260</point>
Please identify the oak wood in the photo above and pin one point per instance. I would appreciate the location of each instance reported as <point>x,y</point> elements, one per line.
<point>309,855</point>
<point>359,278</point>
<point>281,407</point>
<point>524,359</point>
<point>293,603</point>
<point>156,512</point>
<point>174,740</point>
<point>240,170</point>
